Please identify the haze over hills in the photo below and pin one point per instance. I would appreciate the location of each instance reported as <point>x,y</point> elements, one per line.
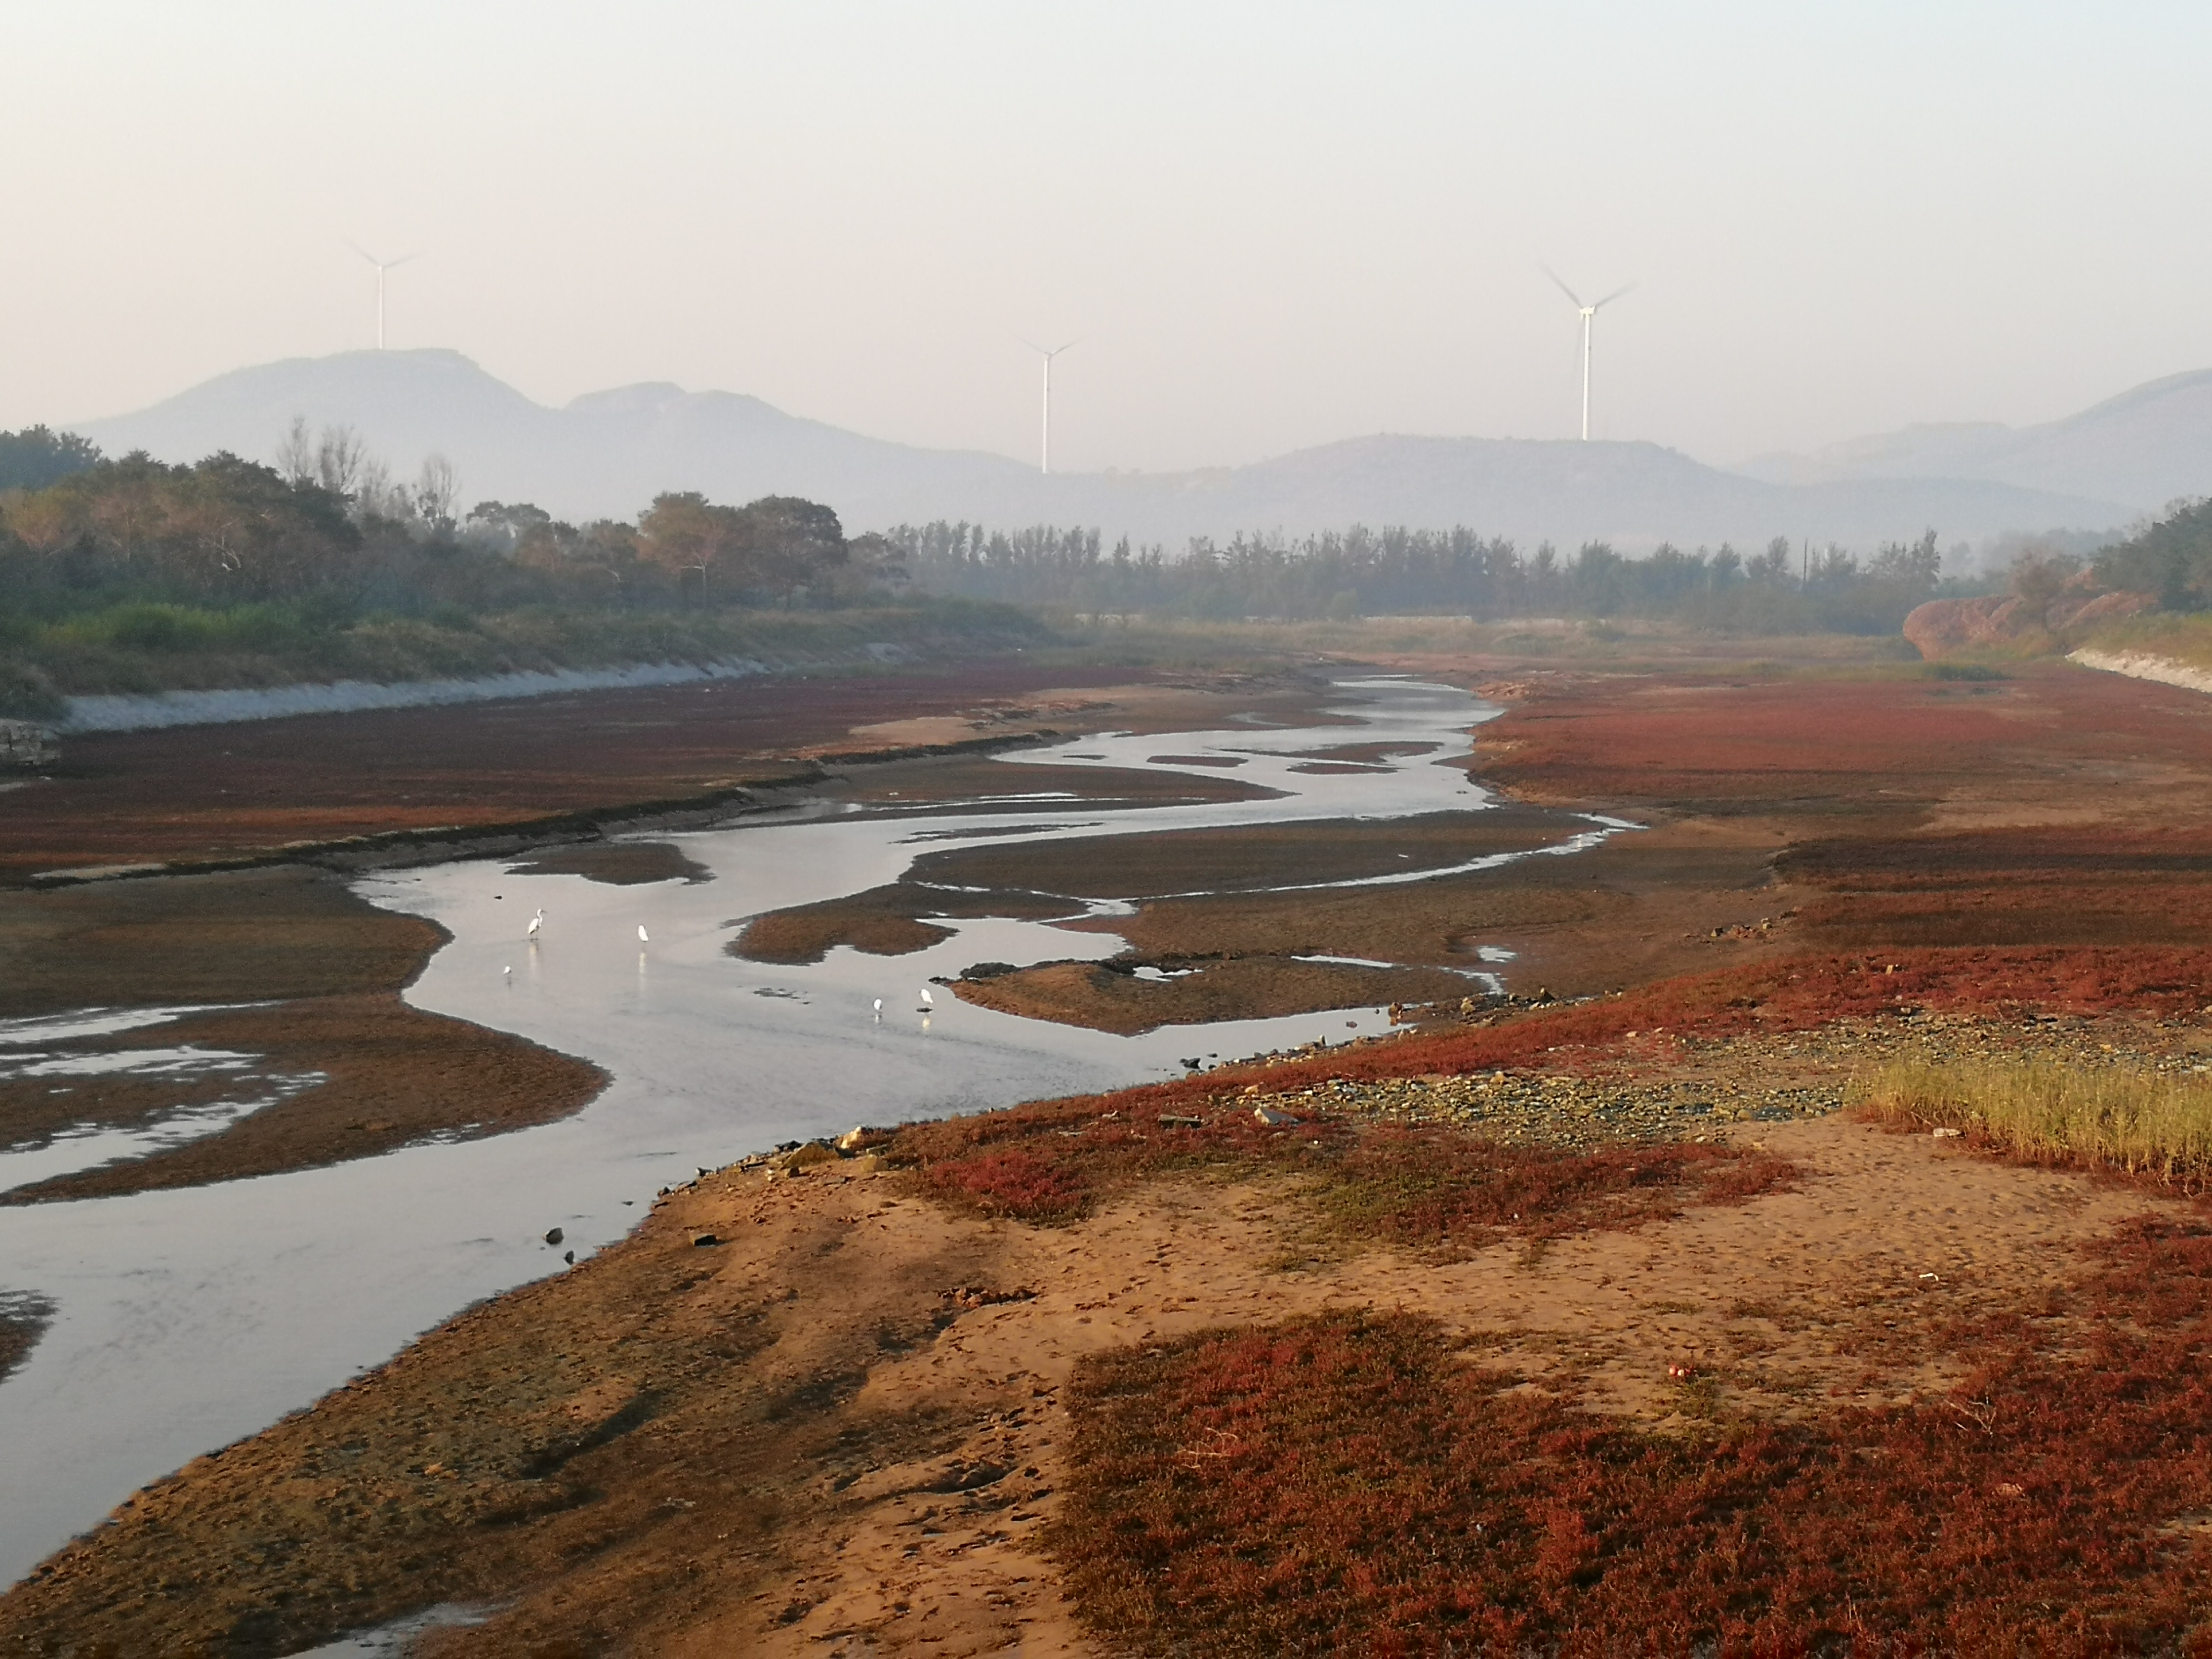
<point>2146,447</point>
<point>609,453</point>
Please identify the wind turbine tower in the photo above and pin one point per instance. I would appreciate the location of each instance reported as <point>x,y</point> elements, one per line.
<point>1044,452</point>
<point>382,265</point>
<point>1588,312</point>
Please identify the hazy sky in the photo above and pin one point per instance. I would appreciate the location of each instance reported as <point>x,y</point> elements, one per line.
<point>1275,224</point>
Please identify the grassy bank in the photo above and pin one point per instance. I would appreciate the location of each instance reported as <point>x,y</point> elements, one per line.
<point>2181,637</point>
<point>150,647</point>
<point>2129,1118</point>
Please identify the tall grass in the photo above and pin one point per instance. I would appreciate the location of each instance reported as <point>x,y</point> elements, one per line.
<point>2117,1116</point>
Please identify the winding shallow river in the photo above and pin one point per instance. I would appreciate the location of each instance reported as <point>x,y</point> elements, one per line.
<point>188,1319</point>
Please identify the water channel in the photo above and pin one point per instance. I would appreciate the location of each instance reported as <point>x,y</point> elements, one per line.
<point>186,1319</point>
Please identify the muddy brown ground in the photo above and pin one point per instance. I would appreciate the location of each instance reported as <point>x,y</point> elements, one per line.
<point>1111,998</point>
<point>23,1316</point>
<point>197,793</point>
<point>283,967</point>
<point>286,967</point>
<point>838,1428</point>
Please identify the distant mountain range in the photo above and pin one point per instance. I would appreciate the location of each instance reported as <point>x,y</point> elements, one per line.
<point>2146,447</point>
<point>608,453</point>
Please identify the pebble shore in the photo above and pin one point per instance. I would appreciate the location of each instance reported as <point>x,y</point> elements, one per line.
<point>1660,1087</point>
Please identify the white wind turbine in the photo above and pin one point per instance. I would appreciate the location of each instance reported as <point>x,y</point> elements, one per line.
<point>1588,312</point>
<point>1044,455</point>
<point>382,265</point>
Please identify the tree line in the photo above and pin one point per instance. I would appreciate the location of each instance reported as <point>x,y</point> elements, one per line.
<point>1361,572</point>
<point>2172,558</point>
<point>330,528</point>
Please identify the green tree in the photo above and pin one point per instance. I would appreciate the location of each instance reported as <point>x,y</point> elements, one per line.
<point>34,457</point>
<point>2172,558</point>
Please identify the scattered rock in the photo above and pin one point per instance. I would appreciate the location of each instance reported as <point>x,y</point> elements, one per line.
<point>700,1241</point>
<point>1173,1120</point>
<point>553,1236</point>
<point>1272,1118</point>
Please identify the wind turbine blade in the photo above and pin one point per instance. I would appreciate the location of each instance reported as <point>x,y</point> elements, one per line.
<point>1611,297</point>
<point>1561,286</point>
<point>363,251</point>
<point>1077,341</point>
<point>403,259</point>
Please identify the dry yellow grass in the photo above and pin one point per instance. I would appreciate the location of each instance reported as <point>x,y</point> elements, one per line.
<point>2119,1116</point>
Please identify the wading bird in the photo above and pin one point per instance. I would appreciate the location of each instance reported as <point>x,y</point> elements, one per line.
<point>643,937</point>
<point>536,922</point>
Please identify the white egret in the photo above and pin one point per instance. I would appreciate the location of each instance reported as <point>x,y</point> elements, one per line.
<point>927,1000</point>
<point>536,922</point>
<point>879,1007</point>
<point>643,937</point>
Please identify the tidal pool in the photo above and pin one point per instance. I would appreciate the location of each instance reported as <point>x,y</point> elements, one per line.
<point>186,1319</point>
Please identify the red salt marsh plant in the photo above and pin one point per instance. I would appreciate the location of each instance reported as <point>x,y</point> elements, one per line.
<point>1349,1484</point>
<point>1793,993</point>
<point>1418,1187</point>
<point>1010,1181</point>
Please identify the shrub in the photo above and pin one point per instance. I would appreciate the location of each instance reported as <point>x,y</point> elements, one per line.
<point>1013,1182</point>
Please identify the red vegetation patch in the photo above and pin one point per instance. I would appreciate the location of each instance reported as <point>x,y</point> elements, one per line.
<point>1826,744</point>
<point>1011,1182</point>
<point>1420,1188</point>
<point>1097,1145</point>
<point>1799,993</point>
<point>2078,884</point>
<point>1415,1187</point>
<point>1345,1484</point>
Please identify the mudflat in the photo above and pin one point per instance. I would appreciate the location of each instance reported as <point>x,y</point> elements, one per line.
<point>1532,1325</point>
<point>279,965</point>
<point>215,793</point>
<point>283,967</point>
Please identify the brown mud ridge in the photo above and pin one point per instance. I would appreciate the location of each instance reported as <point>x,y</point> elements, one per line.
<point>366,784</point>
<point>286,967</point>
<point>1258,976</point>
<point>1144,1372</point>
<point>1109,996</point>
<point>22,1318</point>
<point>282,966</point>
